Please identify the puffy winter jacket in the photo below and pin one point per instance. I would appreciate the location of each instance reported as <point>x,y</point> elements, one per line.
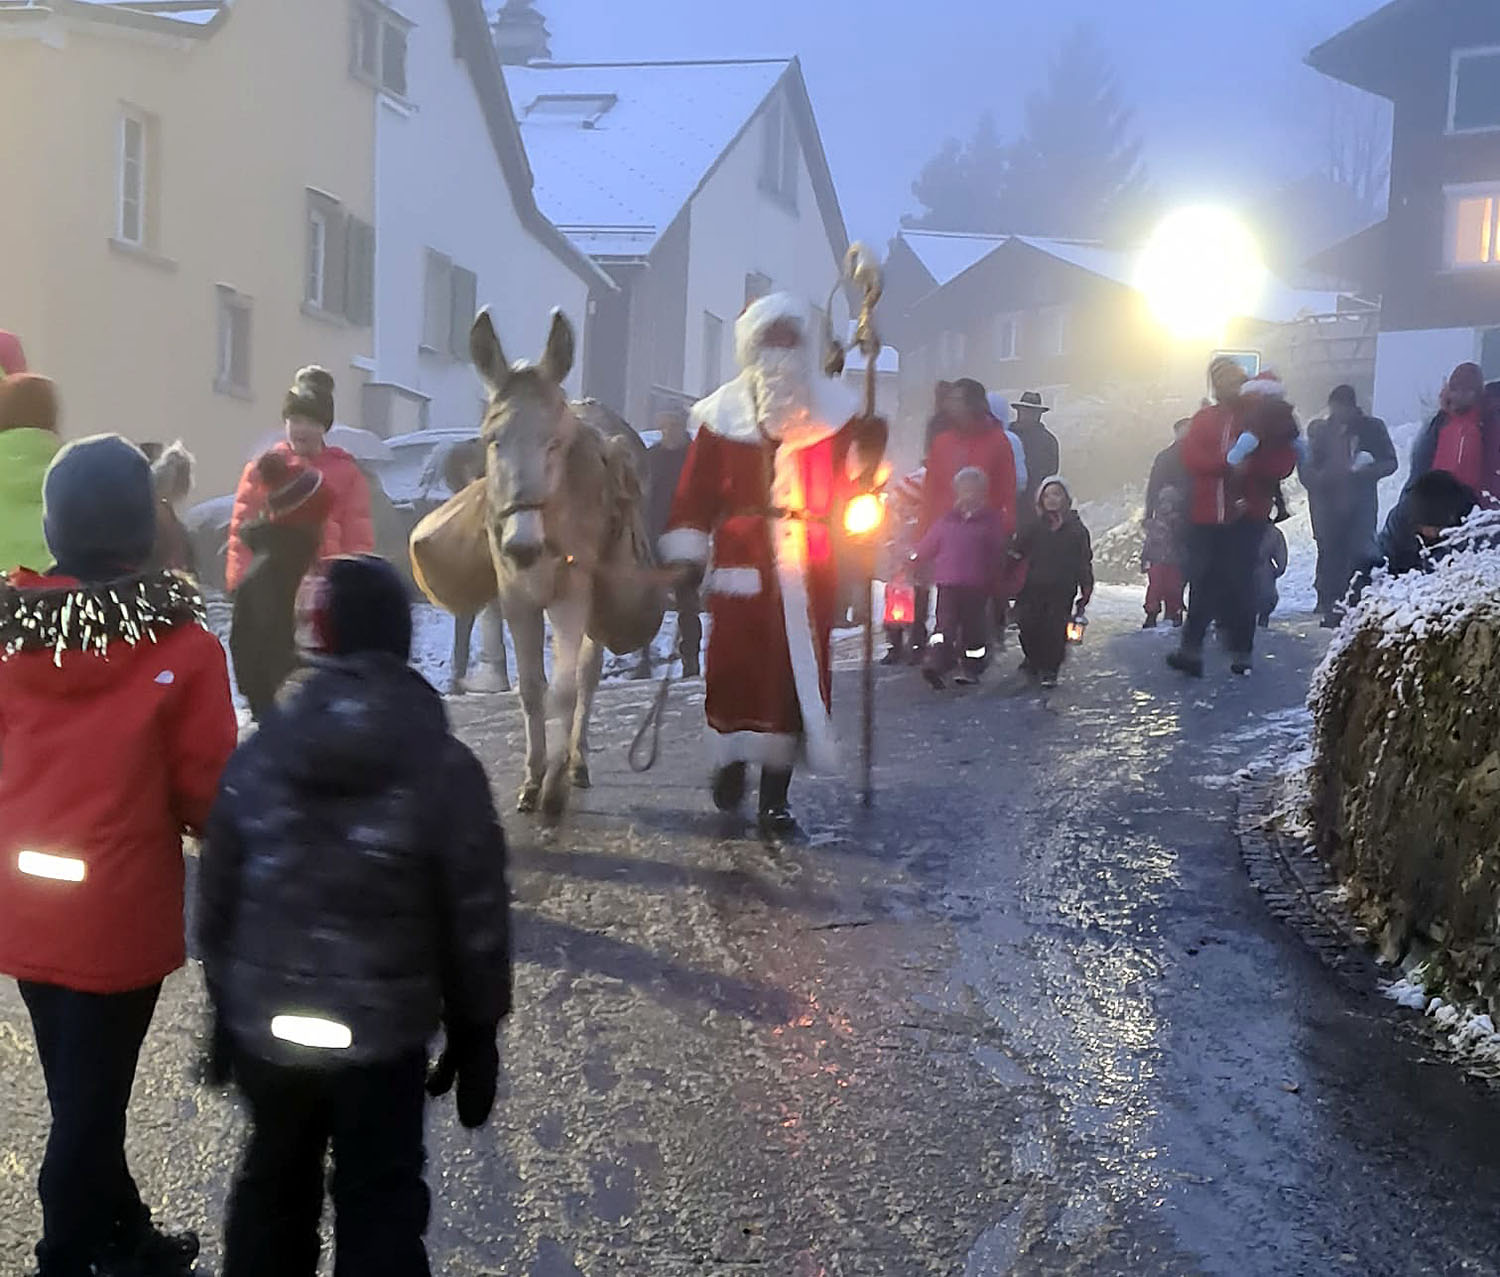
<point>965,550</point>
<point>1059,557</point>
<point>1223,493</point>
<point>349,528</point>
<point>986,449</point>
<point>354,870</point>
<point>106,757</point>
<point>25,455</point>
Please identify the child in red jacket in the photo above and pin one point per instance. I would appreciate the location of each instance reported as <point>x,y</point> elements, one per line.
<point>115,722</point>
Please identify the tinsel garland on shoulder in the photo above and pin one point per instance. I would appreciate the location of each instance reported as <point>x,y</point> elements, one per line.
<point>88,618</point>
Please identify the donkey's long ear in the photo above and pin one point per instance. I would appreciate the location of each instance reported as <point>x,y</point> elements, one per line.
<point>557,359</point>
<point>488,356</point>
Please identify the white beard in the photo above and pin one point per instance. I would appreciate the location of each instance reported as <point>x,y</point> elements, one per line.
<point>782,384</point>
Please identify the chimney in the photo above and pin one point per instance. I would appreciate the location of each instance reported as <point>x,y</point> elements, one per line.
<point>521,34</point>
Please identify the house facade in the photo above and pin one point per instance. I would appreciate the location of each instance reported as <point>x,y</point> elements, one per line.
<point>1435,260</point>
<point>459,229</point>
<point>698,187</point>
<point>187,240</point>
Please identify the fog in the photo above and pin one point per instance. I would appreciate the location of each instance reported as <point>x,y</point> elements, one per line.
<point>1225,106</point>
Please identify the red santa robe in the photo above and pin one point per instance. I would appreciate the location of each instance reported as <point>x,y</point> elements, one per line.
<point>770,510</point>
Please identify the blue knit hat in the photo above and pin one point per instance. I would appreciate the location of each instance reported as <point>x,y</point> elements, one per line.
<point>99,508</point>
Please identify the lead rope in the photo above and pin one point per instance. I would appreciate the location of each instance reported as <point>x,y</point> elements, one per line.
<point>649,732</point>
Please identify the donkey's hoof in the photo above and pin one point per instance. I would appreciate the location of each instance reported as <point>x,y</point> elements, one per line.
<point>530,795</point>
<point>580,775</point>
<point>555,795</point>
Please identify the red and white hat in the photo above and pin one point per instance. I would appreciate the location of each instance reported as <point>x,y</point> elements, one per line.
<point>1265,382</point>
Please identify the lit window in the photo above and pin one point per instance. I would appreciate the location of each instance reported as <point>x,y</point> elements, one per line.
<point>1474,229</point>
<point>1474,96</point>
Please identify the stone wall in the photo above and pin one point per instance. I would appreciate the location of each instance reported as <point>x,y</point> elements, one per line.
<point>1406,773</point>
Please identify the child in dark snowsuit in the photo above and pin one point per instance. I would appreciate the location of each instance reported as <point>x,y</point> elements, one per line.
<point>1059,570</point>
<point>352,900</point>
<point>1270,567</point>
<point>1431,504</point>
<point>965,551</point>
<point>283,542</point>
<point>1162,558</point>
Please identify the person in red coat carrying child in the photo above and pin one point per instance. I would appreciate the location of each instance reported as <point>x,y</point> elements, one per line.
<point>1237,452</point>
<point>778,453</point>
<point>115,724</point>
<point>308,414</point>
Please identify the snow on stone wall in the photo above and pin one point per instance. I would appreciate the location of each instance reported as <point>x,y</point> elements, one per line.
<point>1405,781</point>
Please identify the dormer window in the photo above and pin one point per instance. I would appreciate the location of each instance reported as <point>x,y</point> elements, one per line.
<point>582,110</point>
<point>1474,94</point>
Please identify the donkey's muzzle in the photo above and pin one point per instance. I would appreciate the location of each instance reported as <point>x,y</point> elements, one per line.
<point>522,553</point>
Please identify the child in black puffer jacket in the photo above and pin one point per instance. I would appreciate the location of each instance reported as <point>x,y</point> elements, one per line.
<point>1059,560</point>
<point>352,900</point>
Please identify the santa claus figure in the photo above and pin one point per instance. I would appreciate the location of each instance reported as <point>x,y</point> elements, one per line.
<point>777,455</point>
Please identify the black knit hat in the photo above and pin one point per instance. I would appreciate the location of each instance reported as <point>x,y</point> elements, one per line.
<point>99,508</point>
<point>360,604</point>
<point>310,397</point>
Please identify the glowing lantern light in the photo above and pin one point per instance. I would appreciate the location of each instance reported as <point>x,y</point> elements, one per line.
<point>310,1030</point>
<point>900,604</point>
<point>1201,269</point>
<point>38,864</point>
<point>864,515</point>
<point>1076,628</point>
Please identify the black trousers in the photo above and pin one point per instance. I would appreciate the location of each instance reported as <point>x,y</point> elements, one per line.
<point>1042,617</point>
<point>1341,553</point>
<point>89,1045</point>
<point>963,619</point>
<point>371,1115</point>
<point>1222,559</point>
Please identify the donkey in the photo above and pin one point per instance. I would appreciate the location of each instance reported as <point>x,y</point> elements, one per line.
<point>548,523</point>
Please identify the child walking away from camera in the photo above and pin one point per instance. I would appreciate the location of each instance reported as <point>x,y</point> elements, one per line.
<point>965,552</point>
<point>1059,580</point>
<point>1162,556</point>
<point>352,900</point>
<point>283,541</point>
<point>116,724</point>
<point>1270,567</point>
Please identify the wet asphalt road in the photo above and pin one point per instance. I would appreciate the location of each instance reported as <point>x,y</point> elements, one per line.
<point>1027,1017</point>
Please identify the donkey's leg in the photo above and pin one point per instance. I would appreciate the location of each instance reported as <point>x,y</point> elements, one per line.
<point>463,628</point>
<point>568,615</point>
<point>590,667</point>
<point>527,629</point>
<point>493,674</point>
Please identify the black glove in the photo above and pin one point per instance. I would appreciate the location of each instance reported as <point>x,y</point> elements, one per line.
<point>471,1056</point>
<point>215,1068</point>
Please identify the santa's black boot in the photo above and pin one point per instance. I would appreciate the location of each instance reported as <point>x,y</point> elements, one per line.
<point>776,820</point>
<point>729,787</point>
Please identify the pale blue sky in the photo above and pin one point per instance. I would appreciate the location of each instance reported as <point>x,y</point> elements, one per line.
<point>1222,95</point>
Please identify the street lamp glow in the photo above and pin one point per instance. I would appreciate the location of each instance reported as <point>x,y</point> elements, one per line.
<point>1201,269</point>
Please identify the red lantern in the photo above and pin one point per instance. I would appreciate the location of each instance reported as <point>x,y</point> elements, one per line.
<point>900,604</point>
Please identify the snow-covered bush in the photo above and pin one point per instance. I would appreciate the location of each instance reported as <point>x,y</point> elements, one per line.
<point>1405,781</point>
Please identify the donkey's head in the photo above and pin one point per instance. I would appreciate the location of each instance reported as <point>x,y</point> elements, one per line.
<point>527,430</point>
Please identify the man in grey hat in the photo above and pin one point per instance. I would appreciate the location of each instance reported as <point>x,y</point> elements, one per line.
<point>1042,453</point>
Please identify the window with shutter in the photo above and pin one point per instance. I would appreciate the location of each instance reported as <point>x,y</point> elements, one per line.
<point>359,273</point>
<point>465,306</point>
<point>378,47</point>
<point>232,375</point>
<point>437,303</point>
<point>324,279</point>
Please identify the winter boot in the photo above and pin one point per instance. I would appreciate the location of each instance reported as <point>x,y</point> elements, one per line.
<point>1186,662</point>
<point>777,824</point>
<point>729,787</point>
<point>892,656</point>
<point>141,1247</point>
<point>1240,663</point>
<point>1048,680</point>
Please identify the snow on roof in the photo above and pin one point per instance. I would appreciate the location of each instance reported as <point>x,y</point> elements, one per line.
<point>618,149</point>
<point>179,11</point>
<point>947,254</point>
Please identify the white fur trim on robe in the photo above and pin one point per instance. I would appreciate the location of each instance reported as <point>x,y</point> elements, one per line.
<point>683,545</point>
<point>730,412</point>
<point>759,749</point>
<point>743,583</point>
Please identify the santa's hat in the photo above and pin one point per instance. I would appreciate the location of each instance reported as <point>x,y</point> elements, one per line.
<point>759,315</point>
<point>1265,382</point>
